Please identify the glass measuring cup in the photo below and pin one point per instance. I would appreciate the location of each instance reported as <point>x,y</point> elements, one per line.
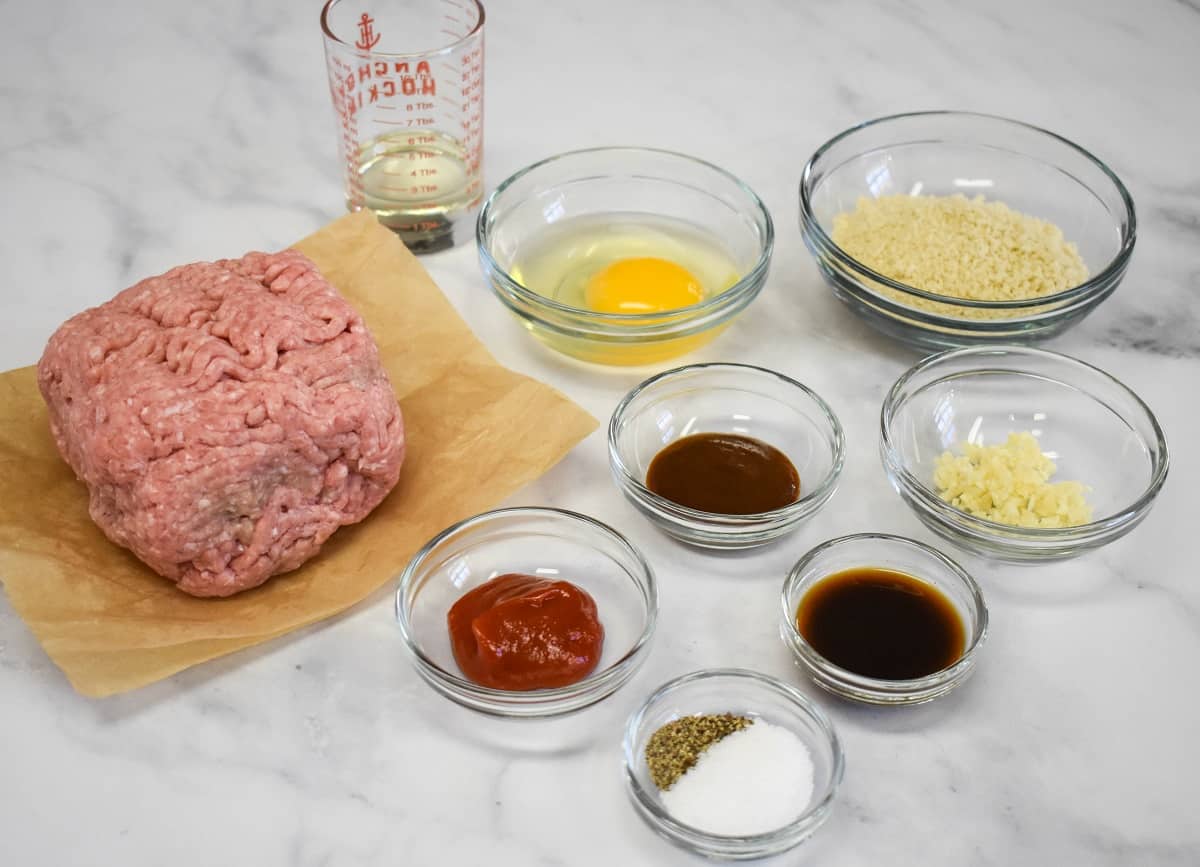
<point>406,77</point>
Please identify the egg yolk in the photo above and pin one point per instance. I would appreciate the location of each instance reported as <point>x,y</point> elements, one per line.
<point>644,285</point>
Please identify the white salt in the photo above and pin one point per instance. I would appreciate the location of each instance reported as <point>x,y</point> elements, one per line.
<point>753,781</point>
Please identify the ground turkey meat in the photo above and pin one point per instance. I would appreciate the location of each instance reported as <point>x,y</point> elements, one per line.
<point>226,417</point>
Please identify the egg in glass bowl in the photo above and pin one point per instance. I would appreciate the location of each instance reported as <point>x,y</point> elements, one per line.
<point>624,256</point>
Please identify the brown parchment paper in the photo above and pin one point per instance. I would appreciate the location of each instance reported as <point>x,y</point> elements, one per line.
<point>476,433</point>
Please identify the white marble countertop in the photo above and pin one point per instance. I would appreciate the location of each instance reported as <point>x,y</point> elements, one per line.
<point>138,136</point>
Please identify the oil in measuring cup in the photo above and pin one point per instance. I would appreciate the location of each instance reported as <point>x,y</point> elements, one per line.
<point>410,112</point>
<point>413,183</point>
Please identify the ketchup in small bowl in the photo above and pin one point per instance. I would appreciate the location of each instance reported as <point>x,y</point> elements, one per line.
<point>523,632</point>
<point>527,612</point>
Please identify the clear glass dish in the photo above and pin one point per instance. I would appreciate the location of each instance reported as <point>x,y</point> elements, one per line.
<point>622,180</point>
<point>901,555</point>
<point>945,152</point>
<point>548,543</point>
<point>1095,429</point>
<point>744,693</point>
<point>726,398</point>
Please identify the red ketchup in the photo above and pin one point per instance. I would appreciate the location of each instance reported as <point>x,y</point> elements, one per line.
<point>520,632</point>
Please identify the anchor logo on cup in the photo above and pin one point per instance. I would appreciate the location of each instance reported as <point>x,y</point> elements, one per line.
<point>368,38</point>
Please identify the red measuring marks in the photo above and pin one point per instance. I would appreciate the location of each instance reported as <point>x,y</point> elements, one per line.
<point>411,122</point>
<point>343,101</point>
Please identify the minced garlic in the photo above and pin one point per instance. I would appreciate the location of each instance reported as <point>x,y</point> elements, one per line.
<point>1010,484</point>
<point>959,247</point>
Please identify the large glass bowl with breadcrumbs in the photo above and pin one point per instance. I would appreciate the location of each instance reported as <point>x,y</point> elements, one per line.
<point>624,256</point>
<point>946,229</point>
<point>1020,454</point>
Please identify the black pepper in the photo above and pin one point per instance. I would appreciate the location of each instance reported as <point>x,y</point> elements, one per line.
<point>674,748</point>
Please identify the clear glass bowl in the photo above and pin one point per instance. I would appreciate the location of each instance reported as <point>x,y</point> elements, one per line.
<point>623,180</point>
<point>901,555</point>
<point>726,398</point>
<point>548,543</point>
<point>944,152</point>
<point>744,693</point>
<point>1095,429</point>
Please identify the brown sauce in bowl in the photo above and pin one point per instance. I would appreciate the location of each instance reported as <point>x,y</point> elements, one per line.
<point>881,623</point>
<point>726,474</point>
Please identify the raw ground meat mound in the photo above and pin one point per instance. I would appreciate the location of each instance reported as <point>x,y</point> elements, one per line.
<point>226,416</point>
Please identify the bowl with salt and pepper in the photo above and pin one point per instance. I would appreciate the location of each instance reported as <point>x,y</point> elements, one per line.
<point>731,763</point>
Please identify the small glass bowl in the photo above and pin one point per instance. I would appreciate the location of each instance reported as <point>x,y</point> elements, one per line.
<point>623,180</point>
<point>899,554</point>
<point>945,152</point>
<point>1094,428</point>
<point>549,543</point>
<point>726,398</point>
<point>744,693</point>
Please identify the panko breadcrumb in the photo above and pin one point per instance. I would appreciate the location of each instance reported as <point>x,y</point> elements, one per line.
<point>962,248</point>
<point>1010,484</point>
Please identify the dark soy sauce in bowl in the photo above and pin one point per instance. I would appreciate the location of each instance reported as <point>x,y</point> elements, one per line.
<point>882,624</point>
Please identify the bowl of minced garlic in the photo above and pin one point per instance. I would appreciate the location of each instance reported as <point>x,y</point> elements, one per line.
<point>1009,483</point>
<point>949,229</point>
<point>1021,454</point>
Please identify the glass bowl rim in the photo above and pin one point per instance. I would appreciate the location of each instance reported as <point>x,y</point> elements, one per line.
<point>879,685</point>
<point>646,583</point>
<point>804,705</point>
<point>995,530</point>
<point>815,495</point>
<point>751,280</point>
<point>1112,269</point>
